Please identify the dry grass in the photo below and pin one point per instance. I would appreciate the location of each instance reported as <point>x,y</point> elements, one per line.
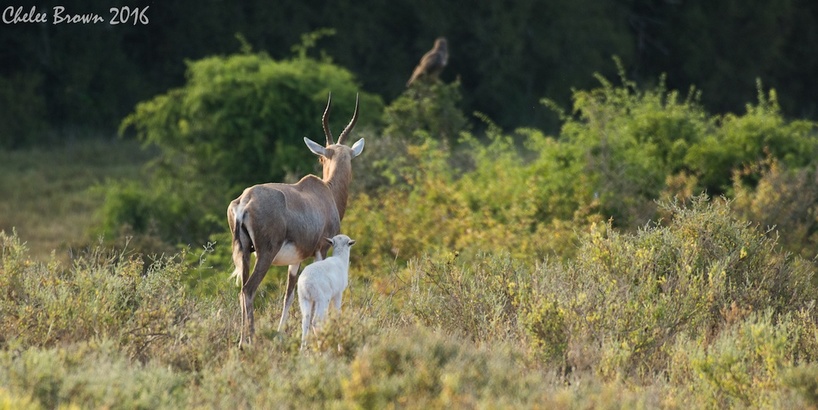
<point>46,195</point>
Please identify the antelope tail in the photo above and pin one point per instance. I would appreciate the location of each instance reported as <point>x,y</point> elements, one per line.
<point>242,247</point>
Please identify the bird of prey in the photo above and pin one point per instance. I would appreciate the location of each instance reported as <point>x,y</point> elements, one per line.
<point>432,63</point>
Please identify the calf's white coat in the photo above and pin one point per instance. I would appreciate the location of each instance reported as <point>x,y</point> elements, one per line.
<point>321,283</point>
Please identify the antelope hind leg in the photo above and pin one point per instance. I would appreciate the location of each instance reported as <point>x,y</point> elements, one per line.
<point>247,329</point>
<point>292,279</point>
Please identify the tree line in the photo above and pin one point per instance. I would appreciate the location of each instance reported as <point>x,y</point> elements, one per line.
<point>72,78</point>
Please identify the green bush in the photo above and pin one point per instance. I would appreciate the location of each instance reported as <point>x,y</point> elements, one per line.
<point>90,375</point>
<point>418,368</point>
<point>426,110</point>
<point>617,150</point>
<point>740,141</point>
<point>748,364</point>
<point>785,199</point>
<point>166,213</point>
<point>472,300</point>
<point>804,379</point>
<point>624,147</point>
<point>493,204</point>
<point>626,298</point>
<point>544,323</point>
<point>243,117</point>
<point>120,298</point>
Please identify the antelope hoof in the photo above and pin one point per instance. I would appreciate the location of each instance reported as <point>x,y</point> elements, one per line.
<point>243,342</point>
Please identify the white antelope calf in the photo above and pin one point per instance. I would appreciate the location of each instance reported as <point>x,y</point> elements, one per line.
<point>321,283</point>
<point>287,223</point>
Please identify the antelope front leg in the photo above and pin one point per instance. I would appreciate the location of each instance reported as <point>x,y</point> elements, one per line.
<point>292,279</point>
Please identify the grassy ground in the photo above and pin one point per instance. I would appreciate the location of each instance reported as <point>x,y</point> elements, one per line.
<point>46,192</point>
<point>703,311</point>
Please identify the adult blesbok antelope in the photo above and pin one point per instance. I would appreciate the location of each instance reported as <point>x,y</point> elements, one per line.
<point>287,223</point>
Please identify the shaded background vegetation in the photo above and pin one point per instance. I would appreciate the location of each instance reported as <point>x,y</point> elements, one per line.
<point>507,55</point>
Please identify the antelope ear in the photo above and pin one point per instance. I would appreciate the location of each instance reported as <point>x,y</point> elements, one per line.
<point>357,148</point>
<point>315,147</point>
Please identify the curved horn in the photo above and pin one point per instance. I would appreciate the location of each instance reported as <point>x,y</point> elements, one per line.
<point>325,121</point>
<point>351,124</point>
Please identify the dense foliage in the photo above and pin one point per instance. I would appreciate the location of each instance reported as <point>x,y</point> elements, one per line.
<point>622,150</point>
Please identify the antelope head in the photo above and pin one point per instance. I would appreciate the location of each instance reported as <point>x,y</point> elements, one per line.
<point>328,154</point>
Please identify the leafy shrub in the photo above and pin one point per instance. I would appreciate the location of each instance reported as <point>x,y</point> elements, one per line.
<point>476,301</point>
<point>619,148</point>
<point>243,117</point>
<point>544,323</point>
<point>494,204</point>
<point>426,110</point>
<point>625,147</point>
<point>159,216</point>
<point>16,401</point>
<point>420,368</point>
<point>784,199</point>
<point>90,375</point>
<point>740,141</point>
<point>626,298</point>
<point>120,299</point>
<point>804,379</point>
<point>745,365</point>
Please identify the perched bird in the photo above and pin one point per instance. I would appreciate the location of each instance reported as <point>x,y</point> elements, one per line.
<point>432,62</point>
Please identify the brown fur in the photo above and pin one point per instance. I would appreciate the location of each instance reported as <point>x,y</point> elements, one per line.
<point>266,217</point>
